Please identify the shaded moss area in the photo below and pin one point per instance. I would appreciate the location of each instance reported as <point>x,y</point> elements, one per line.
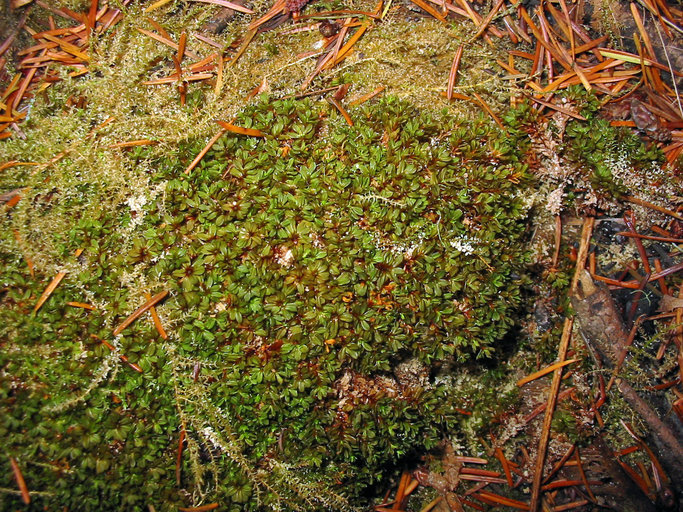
<point>318,276</point>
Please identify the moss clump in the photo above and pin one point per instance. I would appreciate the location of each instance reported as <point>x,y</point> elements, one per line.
<point>318,276</point>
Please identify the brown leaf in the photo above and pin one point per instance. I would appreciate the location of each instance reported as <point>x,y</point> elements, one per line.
<point>669,303</point>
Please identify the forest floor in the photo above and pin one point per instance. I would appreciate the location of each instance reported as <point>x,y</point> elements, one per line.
<point>597,418</point>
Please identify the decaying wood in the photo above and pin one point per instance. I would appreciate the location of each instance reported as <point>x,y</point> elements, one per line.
<point>605,335</point>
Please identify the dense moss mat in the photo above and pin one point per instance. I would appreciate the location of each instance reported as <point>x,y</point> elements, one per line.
<point>323,279</point>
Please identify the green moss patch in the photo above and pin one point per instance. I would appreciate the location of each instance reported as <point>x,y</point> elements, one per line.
<point>319,277</point>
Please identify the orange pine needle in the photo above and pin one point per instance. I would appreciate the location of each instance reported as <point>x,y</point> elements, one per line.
<point>496,499</point>
<point>156,319</point>
<point>506,467</point>
<point>142,309</point>
<point>50,288</point>
<point>121,357</point>
<point>181,46</point>
<point>229,5</point>
<point>341,110</point>
<point>428,8</point>
<point>13,201</point>
<point>81,305</point>
<point>367,97</point>
<point>454,73</point>
<point>485,23</point>
<point>251,132</point>
<point>204,151</point>
<point>349,44</point>
<point>489,111</point>
<point>25,496</point>
<point>68,47</point>
<point>133,143</point>
<point>179,457</point>
<point>544,371</point>
<point>202,508</point>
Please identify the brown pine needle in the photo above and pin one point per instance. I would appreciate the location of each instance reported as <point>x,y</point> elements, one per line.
<point>156,5</point>
<point>454,73</point>
<point>121,357</point>
<point>489,17</point>
<point>181,47</point>
<point>544,371</point>
<point>349,44</point>
<point>81,305</point>
<point>557,107</point>
<point>230,5</point>
<point>428,8</point>
<point>429,506</point>
<point>367,97</point>
<point>133,143</point>
<point>489,111</point>
<point>496,499</point>
<point>583,476</point>
<point>341,110</point>
<point>142,309</point>
<point>50,288</point>
<point>506,467</point>
<point>251,132</point>
<point>557,376</point>
<point>469,460</point>
<point>25,496</point>
<point>204,151</point>
<point>661,209</point>
<point>167,42</point>
<point>243,48</point>
<point>156,319</point>
<point>179,456</point>
<point>202,508</point>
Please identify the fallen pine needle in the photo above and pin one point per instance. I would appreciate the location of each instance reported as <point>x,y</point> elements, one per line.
<point>586,234</point>
<point>134,316</point>
<point>50,288</point>
<point>251,132</point>
<point>661,209</point>
<point>81,305</point>
<point>490,112</point>
<point>341,110</point>
<point>133,143</point>
<point>544,371</point>
<point>367,97</point>
<point>454,73</point>
<point>343,52</point>
<point>121,356</point>
<point>569,506</point>
<point>230,5</point>
<point>469,460</point>
<point>179,457</point>
<point>429,506</point>
<point>156,5</point>
<point>25,496</point>
<point>202,508</point>
<point>156,319</point>
<point>204,151</point>
<point>428,8</point>
<point>496,499</point>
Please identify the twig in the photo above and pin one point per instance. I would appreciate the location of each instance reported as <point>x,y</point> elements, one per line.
<point>557,376</point>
